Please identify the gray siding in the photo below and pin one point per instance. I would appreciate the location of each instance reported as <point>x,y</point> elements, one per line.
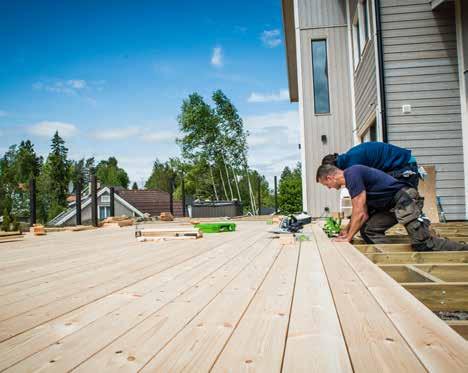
<point>316,13</point>
<point>86,212</point>
<point>420,60</point>
<point>365,75</point>
<point>365,86</point>
<point>336,126</point>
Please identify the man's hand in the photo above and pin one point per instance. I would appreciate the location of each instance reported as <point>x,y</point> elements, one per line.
<point>344,232</point>
<point>341,239</point>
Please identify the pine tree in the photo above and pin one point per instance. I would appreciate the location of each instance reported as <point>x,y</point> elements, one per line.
<point>135,186</point>
<point>57,176</point>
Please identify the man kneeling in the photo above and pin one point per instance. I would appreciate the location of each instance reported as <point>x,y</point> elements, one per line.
<point>379,202</point>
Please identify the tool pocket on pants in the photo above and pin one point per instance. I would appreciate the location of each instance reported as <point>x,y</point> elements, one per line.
<point>406,209</point>
<point>419,233</point>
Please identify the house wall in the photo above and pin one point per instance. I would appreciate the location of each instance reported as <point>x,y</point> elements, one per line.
<point>322,19</point>
<point>421,69</point>
<point>364,74</point>
<point>86,212</point>
<point>365,87</point>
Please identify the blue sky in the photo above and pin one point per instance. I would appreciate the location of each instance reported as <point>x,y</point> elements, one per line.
<point>111,76</point>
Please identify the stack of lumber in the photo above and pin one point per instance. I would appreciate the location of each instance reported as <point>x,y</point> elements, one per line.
<point>166,216</point>
<point>117,221</point>
<point>10,236</point>
<point>38,230</point>
<point>166,234</point>
<point>77,228</point>
<point>80,228</point>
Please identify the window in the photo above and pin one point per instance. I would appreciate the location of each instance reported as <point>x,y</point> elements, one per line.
<point>104,212</point>
<point>365,11</point>
<point>370,134</point>
<point>361,29</point>
<point>320,77</point>
<point>356,42</point>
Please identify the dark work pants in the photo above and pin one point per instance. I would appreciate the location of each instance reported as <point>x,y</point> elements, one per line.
<point>408,212</point>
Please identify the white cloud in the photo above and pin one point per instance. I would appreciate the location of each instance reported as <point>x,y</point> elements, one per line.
<point>282,95</point>
<point>147,134</point>
<point>271,38</point>
<point>269,133</point>
<point>48,128</point>
<point>159,136</point>
<point>68,87</point>
<point>77,83</point>
<point>288,119</point>
<point>3,113</point>
<point>115,133</point>
<point>217,57</point>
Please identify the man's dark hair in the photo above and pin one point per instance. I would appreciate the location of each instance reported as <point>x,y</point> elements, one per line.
<point>330,159</point>
<point>324,170</point>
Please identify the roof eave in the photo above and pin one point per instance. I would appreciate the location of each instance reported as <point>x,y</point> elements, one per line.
<point>290,43</point>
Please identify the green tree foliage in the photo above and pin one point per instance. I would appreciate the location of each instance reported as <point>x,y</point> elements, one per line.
<point>135,186</point>
<point>6,220</point>
<point>17,166</point>
<point>161,175</point>
<point>82,170</point>
<point>232,141</point>
<point>8,180</point>
<point>214,145</point>
<point>53,181</point>
<point>200,128</point>
<point>290,190</point>
<point>110,174</point>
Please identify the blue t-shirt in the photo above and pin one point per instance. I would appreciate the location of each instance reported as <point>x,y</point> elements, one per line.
<point>380,187</point>
<point>379,155</point>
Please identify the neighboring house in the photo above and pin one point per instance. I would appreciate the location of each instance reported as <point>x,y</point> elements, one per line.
<point>150,201</point>
<point>388,70</point>
<point>133,203</point>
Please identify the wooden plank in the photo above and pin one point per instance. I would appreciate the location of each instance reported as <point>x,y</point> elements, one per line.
<point>401,273</point>
<point>43,295</point>
<point>447,272</point>
<point>258,341</point>
<point>419,257</point>
<point>374,344</point>
<point>460,326</point>
<point>144,316</point>
<point>447,296</point>
<point>427,189</point>
<point>198,344</point>
<point>436,345</point>
<point>314,326</point>
<point>52,310</point>
<point>186,274</point>
<point>384,248</point>
<point>428,276</point>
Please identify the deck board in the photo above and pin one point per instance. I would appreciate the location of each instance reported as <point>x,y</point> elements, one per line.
<point>101,301</point>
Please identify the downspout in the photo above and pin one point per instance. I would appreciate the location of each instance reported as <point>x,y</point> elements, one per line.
<point>380,56</point>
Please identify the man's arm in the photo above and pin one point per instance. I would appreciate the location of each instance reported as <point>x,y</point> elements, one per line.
<point>358,217</point>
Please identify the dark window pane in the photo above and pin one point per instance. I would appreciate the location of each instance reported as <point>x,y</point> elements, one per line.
<point>320,76</point>
<point>373,132</point>
<point>366,20</point>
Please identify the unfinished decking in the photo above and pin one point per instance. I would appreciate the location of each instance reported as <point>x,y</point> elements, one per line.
<point>99,301</point>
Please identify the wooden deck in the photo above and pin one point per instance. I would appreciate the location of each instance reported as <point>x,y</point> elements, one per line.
<point>98,301</point>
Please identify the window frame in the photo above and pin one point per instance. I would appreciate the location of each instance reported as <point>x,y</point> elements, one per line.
<point>361,30</point>
<point>327,69</point>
